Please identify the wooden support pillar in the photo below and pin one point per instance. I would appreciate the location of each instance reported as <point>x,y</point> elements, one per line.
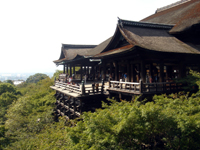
<point>104,71</point>
<point>81,72</point>
<point>111,70</point>
<point>63,68</point>
<point>138,72</point>
<point>67,68</point>
<point>143,71</point>
<point>99,75</point>
<point>93,73</point>
<point>132,73</point>
<point>85,70</point>
<point>151,73</point>
<point>116,71</point>
<point>74,71</point>
<point>70,70</point>
<point>128,72</point>
<point>161,78</point>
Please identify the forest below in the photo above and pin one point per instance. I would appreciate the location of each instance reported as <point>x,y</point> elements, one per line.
<point>168,122</point>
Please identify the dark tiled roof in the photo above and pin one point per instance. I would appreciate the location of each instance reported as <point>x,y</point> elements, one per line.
<point>71,51</point>
<point>99,48</point>
<point>156,40</point>
<point>184,16</point>
<point>115,51</point>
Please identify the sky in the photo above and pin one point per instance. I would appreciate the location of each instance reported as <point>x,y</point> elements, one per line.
<point>32,31</point>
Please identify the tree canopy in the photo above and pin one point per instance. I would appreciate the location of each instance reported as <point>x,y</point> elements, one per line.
<point>36,78</point>
<point>168,122</point>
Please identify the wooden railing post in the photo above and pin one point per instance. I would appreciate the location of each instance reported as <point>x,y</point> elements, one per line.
<point>134,87</point>
<point>93,85</point>
<point>83,88</point>
<point>102,86</point>
<point>109,83</point>
<point>141,85</point>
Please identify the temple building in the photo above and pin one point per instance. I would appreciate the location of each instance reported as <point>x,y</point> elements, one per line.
<point>160,47</point>
<point>141,57</point>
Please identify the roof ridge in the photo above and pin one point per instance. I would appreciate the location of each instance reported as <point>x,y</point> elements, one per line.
<point>145,24</point>
<point>172,5</point>
<point>79,46</point>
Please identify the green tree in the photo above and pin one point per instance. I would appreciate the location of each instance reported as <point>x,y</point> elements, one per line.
<point>36,78</point>
<point>56,74</point>
<point>8,81</point>
<point>170,122</point>
<point>35,104</point>
<point>8,94</point>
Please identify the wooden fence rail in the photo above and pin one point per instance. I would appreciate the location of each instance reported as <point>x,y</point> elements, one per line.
<point>139,88</point>
<point>80,89</point>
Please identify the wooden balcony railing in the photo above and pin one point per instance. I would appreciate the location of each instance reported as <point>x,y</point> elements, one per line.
<point>139,88</point>
<point>81,89</point>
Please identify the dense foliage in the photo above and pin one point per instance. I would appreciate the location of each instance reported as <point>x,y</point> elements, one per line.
<point>8,81</point>
<point>169,122</point>
<point>36,78</point>
<point>8,94</point>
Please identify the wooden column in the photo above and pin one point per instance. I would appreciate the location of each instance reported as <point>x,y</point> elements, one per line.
<point>111,69</point>
<point>81,72</point>
<point>132,73</point>
<point>138,72</point>
<point>70,68</point>
<point>85,70</point>
<point>67,68</point>
<point>63,68</point>
<point>161,78</point>
<point>93,73</point>
<point>104,70</point>
<point>99,72</point>
<point>151,72</point>
<point>74,72</point>
<point>128,72</point>
<point>143,71</point>
<point>116,71</point>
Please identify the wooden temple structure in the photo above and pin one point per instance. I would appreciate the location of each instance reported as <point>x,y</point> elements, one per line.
<point>152,52</point>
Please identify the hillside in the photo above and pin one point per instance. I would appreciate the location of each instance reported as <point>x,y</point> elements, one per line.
<point>170,122</point>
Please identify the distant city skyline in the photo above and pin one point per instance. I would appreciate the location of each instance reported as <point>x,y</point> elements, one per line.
<point>32,31</point>
<point>19,76</point>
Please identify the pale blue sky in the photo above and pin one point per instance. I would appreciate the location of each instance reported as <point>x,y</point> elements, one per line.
<point>31,31</point>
